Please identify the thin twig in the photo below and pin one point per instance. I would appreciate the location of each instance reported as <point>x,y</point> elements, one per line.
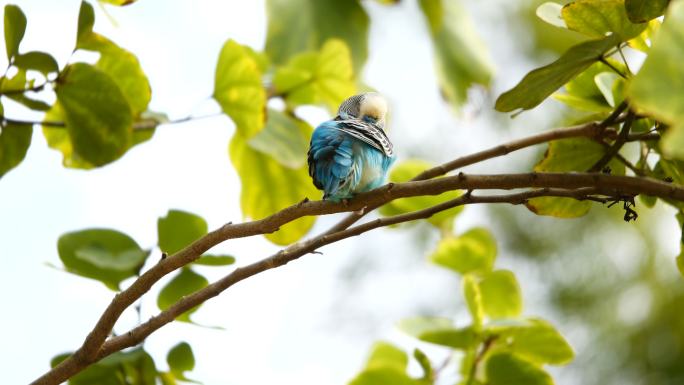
<point>617,145</point>
<point>145,124</point>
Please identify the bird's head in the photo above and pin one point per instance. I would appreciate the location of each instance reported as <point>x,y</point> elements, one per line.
<point>370,107</point>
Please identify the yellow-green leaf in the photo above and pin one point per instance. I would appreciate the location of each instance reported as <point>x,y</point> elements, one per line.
<point>542,82</point>
<point>535,340</point>
<point>577,154</point>
<point>184,283</point>
<point>501,296</point>
<point>474,251</point>
<point>282,139</point>
<point>15,140</point>
<point>439,331</point>
<point>508,369</point>
<point>325,76</point>
<point>178,229</point>
<point>238,88</point>
<point>97,115</point>
<point>473,298</point>
<point>656,90</point>
<point>550,12</point>
<point>296,26</point>
<point>15,27</point>
<point>640,11</point>
<point>268,187</point>
<point>405,171</point>
<point>600,18</point>
<point>37,61</point>
<point>461,57</point>
<point>106,255</point>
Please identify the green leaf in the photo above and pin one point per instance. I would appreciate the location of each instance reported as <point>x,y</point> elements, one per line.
<point>120,3</point>
<point>15,140</point>
<point>599,18</point>
<point>58,139</point>
<point>474,251</point>
<point>576,154</point>
<point>640,11</point>
<point>178,229</point>
<point>215,260</point>
<point>550,12</point>
<point>656,89</point>
<point>37,61</point>
<point>501,296</point>
<point>439,331</point>
<point>538,341</point>
<point>325,76</point>
<point>405,171</point>
<point>542,82</point>
<point>121,368</point>
<point>605,81</point>
<point>281,139</point>
<point>461,58</point>
<point>96,113</point>
<point>473,298</point>
<point>583,92</point>
<point>386,355</point>
<point>238,88</point>
<point>106,255</point>
<point>184,283</point>
<point>15,27</point>
<point>425,364</point>
<point>181,359</point>
<point>86,21</point>
<point>268,187</point>
<point>507,369</point>
<point>296,26</point>
<point>680,263</point>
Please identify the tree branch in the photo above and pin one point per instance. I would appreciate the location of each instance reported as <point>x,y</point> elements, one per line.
<point>575,185</point>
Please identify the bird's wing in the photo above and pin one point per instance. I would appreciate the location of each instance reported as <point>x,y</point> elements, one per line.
<point>367,133</point>
<point>332,164</point>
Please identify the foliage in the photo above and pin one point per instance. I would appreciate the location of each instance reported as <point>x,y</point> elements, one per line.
<point>95,112</point>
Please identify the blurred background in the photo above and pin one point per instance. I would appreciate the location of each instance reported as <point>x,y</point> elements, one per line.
<point>611,287</point>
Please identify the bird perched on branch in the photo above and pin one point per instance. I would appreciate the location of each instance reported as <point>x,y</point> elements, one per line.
<point>351,153</point>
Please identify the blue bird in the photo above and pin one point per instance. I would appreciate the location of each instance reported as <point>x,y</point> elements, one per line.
<point>351,153</point>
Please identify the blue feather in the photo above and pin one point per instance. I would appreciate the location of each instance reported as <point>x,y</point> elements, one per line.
<point>342,165</point>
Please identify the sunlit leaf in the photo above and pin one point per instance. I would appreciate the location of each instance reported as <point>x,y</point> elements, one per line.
<point>473,298</point>
<point>121,368</point>
<point>281,138</point>
<point>583,93</point>
<point>657,88</point>
<point>15,27</point>
<point>181,359</point>
<point>605,81</point>
<point>324,76</point>
<point>179,229</point>
<point>386,366</point>
<point>460,56</point>
<point>86,21</point>
<point>106,255</point>
<point>538,341</point>
<point>37,61</point>
<point>550,12</point>
<point>474,251</point>
<point>405,171</point>
<point>215,260</point>
<point>184,283</point>
<point>599,18</point>
<point>542,82</point>
<point>118,2</point>
<point>425,364</point>
<point>439,331</point>
<point>96,113</point>
<point>508,369</point>
<point>296,26</point>
<point>643,41</point>
<point>640,11</point>
<point>58,139</point>
<point>15,140</point>
<point>238,88</point>
<point>268,186</point>
<point>577,154</point>
<point>501,296</point>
